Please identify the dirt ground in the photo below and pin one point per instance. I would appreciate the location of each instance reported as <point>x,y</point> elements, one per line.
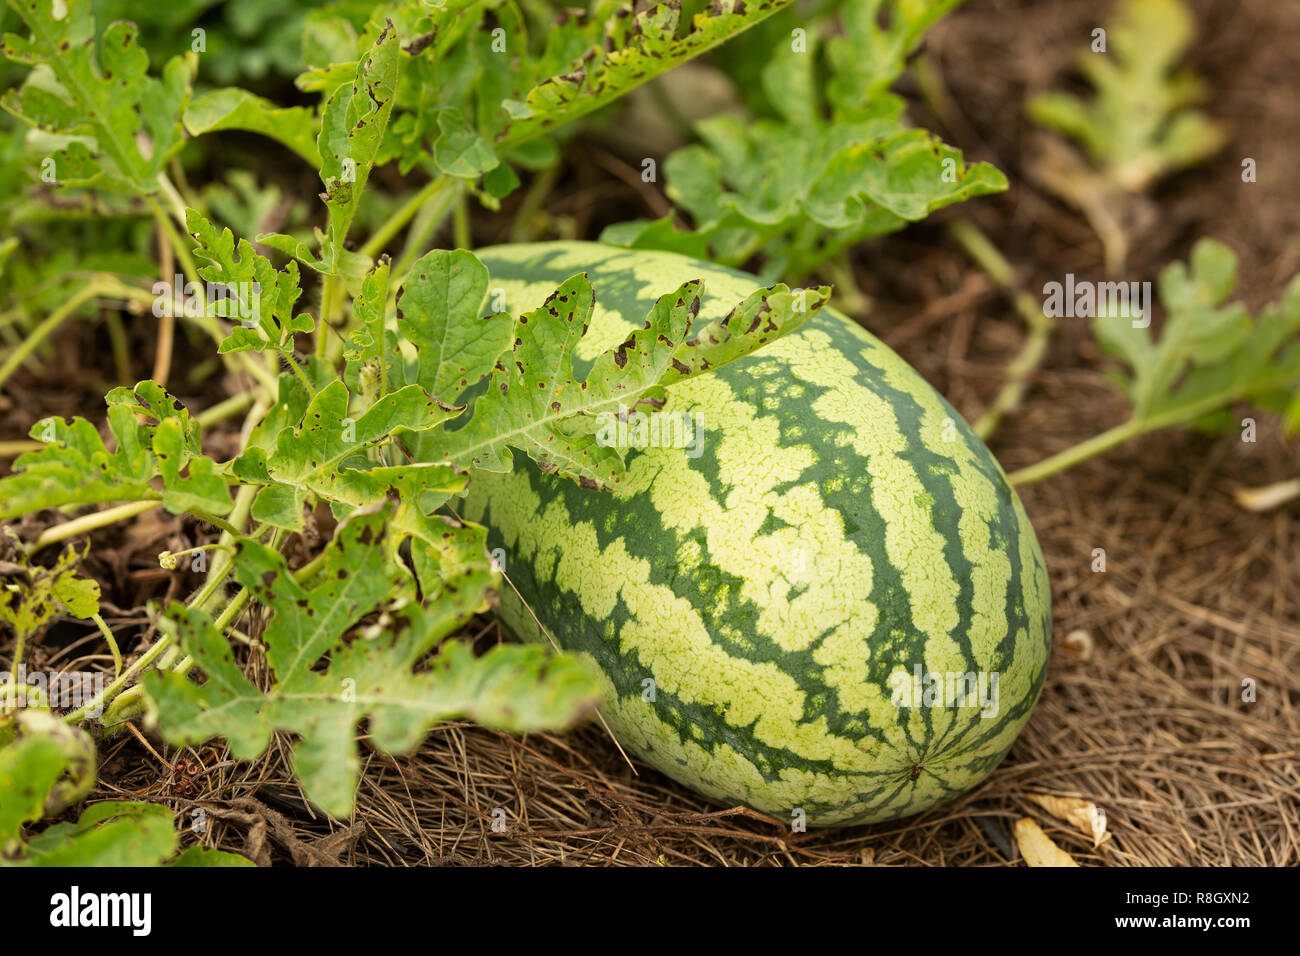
<point>1197,597</point>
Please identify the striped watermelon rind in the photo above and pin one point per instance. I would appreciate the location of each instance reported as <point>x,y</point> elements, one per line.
<point>768,615</point>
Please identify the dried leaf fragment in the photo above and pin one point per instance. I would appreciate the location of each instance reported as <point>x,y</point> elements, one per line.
<point>1267,497</point>
<point>1037,847</point>
<point>1084,814</point>
<point>1079,645</point>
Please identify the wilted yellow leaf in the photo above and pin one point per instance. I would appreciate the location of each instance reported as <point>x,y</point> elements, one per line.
<point>1269,496</point>
<point>1084,814</point>
<point>1037,847</point>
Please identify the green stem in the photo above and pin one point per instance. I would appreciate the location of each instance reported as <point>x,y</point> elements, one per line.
<point>376,243</point>
<point>1128,430</point>
<point>87,523</point>
<point>129,702</point>
<point>112,643</point>
<point>840,271</point>
<point>302,376</point>
<point>225,409</point>
<point>173,196</point>
<point>96,703</point>
<point>215,520</point>
<point>46,328</point>
<point>222,562</point>
<point>1061,461</point>
<point>524,228</point>
<point>121,351</point>
<point>460,223</point>
<point>168,558</point>
<point>18,659</point>
<point>11,449</point>
<point>179,246</point>
<point>431,218</point>
<point>323,320</point>
<point>1019,369</point>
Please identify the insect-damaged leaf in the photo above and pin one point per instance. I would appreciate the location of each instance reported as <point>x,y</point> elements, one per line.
<point>629,50</point>
<point>75,467</point>
<point>323,454</point>
<point>125,124</point>
<point>512,687</point>
<point>352,129</point>
<point>33,594</point>
<point>535,403</point>
<point>438,313</point>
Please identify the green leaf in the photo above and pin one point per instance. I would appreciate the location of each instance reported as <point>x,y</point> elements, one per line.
<point>438,312</point>
<point>352,129</point>
<point>631,50</point>
<point>29,769</point>
<point>231,108</point>
<point>660,234</point>
<point>763,316</point>
<point>460,150</point>
<point>107,834</point>
<point>125,124</point>
<point>75,467</point>
<point>1210,352</point>
<point>818,176</point>
<point>866,58</point>
<point>535,403</point>
<point>1140,126</point>
<point>49,766</point>
<point>322,455</point>
<point>33,594</point>
<point>370,676</point>
<point>374,361</point>
<point>251,290</point>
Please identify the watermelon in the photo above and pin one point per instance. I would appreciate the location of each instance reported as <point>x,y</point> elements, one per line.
<point>825,602</point>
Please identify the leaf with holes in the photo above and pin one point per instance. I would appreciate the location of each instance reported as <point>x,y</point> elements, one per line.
<point>326,682</point>
<point>333,457</point>
<point>535,403</point>
<point>76,468</point>
<point>120,125</point>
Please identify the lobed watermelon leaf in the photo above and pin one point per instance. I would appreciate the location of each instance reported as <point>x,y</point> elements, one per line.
<point>254,292</point>
<point>353,122</point>
<point>118,126</point>
<point>536,404</point>
<point>438,313</point>
<point>76,468</point>
<point>1210,352</point>
<point>822,172</point>
<point>633,49</point>
<point>1141,126</point>
<point>482,85</point>
<point>368,676</point>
